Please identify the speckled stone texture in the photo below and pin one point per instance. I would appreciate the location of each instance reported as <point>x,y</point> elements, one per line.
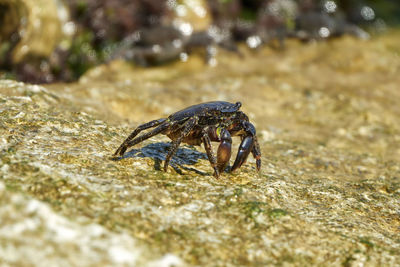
<point>328,193</point>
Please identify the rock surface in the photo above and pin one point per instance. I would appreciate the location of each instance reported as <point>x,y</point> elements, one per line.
<point>328,193</point>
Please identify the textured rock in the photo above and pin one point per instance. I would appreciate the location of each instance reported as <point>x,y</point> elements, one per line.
<point>327,117</point>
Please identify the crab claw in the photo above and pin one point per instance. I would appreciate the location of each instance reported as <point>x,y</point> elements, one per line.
<point>244,149</point>
<point>258,163</point>
<point>257,154</point>
<point>224,150</point>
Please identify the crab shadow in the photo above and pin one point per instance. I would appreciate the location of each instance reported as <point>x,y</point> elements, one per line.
<point>183,157</point>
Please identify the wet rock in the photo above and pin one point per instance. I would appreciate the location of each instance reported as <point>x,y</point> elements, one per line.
<point>193,14</point>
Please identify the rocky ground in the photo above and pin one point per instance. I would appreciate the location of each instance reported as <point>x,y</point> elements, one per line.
<point>328,193</point>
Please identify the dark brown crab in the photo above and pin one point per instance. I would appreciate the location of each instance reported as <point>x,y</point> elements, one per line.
<point>212,121</point>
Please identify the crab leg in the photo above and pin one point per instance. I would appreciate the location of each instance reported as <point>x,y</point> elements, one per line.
<point>256,153</point>
<point>131,140</point>
<point>188,126</point>
<point>224,149</point>
<point>246,145</point>
<point>211,157</point>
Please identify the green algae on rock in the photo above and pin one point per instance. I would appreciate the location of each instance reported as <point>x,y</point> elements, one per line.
<point>328,193</point>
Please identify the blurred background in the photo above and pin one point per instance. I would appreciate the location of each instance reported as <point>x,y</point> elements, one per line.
<point>46,41</point>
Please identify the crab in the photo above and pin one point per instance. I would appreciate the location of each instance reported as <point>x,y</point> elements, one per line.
<point>203,123</point>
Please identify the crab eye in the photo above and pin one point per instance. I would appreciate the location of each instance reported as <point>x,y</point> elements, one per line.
<point>238,104</point>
